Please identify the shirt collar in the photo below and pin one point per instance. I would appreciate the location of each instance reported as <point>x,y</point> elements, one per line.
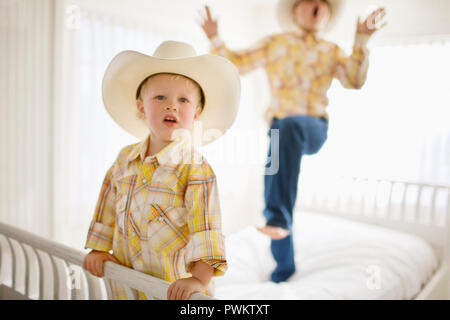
<point>139,149</point>
<point>174,153</point>
<point>308,37</point>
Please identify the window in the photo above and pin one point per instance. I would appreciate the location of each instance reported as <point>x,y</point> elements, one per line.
<point>397,125</point>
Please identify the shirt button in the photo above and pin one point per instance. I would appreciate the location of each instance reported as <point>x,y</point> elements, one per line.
<point>161,219</point>
<point>134,234</point>
<point>144,180</point>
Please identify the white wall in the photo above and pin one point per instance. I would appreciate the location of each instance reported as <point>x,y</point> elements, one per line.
<point>408,20</point>
<point>244,21</point>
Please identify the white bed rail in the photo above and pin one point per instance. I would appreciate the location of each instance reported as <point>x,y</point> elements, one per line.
<point>32,267</point>
<point>417,208</point>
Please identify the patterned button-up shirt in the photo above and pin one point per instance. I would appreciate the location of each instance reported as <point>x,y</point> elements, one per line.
<point>300,68</point>
<point>159,214</point>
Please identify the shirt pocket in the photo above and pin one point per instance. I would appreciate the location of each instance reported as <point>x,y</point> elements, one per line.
<point>166,227</point>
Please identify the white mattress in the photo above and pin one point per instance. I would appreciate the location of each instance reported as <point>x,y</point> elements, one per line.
<point>335,259</point>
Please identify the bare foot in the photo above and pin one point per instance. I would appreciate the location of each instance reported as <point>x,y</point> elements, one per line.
<point>275,233</point>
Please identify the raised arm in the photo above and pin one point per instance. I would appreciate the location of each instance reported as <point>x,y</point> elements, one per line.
<point>244,60</point>
<point>352,70</point>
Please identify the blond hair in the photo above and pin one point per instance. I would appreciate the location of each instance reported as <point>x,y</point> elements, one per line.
<point>175,76</point>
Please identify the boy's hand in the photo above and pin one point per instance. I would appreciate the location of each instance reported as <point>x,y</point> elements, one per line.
<point>182,289</point>
<point>372,23</point>
<point>94,260</point>
<point>209,25</point>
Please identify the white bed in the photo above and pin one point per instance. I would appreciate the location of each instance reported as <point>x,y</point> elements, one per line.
<point>354,238</point>
<point>335,258</point>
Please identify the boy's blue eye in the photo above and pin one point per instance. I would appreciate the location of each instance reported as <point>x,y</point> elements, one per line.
<point>184,100</point>
<point>159,97</point>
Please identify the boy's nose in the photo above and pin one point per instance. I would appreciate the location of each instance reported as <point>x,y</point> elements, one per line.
<point>171,106</point>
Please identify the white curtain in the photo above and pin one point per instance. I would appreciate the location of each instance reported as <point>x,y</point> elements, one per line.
<point>87,140</point>
<point>26,54</point>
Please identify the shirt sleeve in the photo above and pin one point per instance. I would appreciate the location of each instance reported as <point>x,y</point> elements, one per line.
<point>204,220</point>
<point>352,70</point>
<point>101,230</point>
<point>244,60</point>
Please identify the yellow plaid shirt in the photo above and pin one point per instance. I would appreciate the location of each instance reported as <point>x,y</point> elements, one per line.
<point>159,214</point>
<point>300,68</point>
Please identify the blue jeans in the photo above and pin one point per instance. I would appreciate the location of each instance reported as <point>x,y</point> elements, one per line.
<point>298,136</point>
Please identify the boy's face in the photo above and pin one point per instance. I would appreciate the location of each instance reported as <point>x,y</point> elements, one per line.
<point>312,15</point>
<point>169,102</point>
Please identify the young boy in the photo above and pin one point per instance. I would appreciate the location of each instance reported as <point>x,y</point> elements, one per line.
<point>300,68</point>
<point>158,210</point>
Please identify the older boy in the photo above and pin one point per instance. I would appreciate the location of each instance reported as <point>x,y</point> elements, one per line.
<point>158,209</point>
<point>300,68</point>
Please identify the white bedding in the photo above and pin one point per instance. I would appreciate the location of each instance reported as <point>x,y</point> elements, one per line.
<point>335,259</point>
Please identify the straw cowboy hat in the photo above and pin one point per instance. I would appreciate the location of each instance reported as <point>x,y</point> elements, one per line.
<point>218,78</point>
<point>285,18</point>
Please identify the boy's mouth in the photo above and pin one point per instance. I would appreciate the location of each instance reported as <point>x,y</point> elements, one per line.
<point>315,11</point>
<point>170,120</point>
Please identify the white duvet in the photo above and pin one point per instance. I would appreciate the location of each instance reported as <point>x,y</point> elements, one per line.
<point>335,259</point>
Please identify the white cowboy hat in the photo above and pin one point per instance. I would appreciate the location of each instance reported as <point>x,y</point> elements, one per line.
<point>218,78</point>
<point>285,18</point>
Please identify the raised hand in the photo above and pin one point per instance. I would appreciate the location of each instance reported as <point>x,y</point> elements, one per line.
<point>209,25</point>
<point>374,22</point>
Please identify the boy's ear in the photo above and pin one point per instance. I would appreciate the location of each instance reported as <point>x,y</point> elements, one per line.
<point>140,107</point>
<point>198,111</point>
